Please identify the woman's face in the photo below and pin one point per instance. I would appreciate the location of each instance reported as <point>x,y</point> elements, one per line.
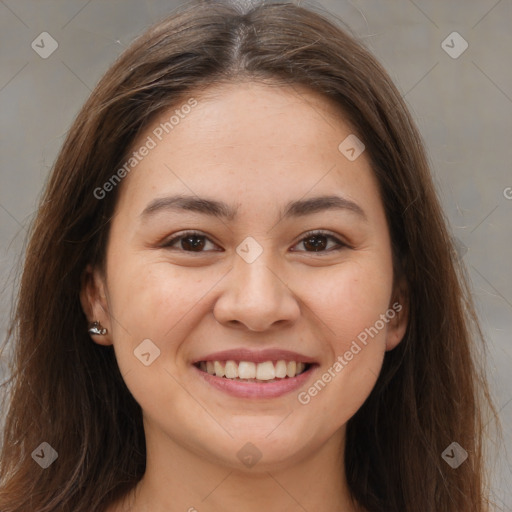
<point>251,286</point>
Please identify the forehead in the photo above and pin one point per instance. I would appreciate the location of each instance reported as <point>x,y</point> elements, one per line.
<point>275,143</point>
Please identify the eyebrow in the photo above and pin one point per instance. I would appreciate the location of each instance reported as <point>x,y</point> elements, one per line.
<point>225,211</point>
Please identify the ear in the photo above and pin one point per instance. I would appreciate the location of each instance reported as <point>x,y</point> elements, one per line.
<point>399,304</point>
<point>94,302</point>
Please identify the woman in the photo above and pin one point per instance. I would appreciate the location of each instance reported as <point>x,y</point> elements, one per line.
<point>240,292</point>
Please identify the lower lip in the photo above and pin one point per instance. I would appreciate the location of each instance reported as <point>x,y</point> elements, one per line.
<point>255,389</point>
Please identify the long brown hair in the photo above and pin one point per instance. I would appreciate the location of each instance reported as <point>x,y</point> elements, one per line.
<point>67,391</point>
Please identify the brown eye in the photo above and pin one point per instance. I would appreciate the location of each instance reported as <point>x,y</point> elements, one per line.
<point>317,241</point>
<point>189,242</point>
<point>193,241</point>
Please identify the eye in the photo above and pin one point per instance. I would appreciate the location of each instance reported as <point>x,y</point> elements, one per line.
<point>317,241</point>
<point>194,241</point>
<point>191,241</point>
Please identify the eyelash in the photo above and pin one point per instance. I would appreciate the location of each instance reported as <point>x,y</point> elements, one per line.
<point>309,234</point>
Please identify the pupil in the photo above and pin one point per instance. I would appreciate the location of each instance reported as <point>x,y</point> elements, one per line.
<point>317,245</point>
<point>187,242</point>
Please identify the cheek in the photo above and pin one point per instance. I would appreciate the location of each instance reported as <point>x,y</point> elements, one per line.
<point>154,295</point>
<point>354,348</point>
<point>351,297</point>
<point>155,301</point>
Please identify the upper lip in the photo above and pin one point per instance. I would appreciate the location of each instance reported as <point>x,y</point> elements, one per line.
<point>256,356</point>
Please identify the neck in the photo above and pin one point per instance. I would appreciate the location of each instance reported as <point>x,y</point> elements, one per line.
<point>177,479</point>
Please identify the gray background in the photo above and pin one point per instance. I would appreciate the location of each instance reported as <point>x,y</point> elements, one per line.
<point>462,105</point>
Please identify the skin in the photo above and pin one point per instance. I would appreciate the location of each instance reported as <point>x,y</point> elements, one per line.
<point>257,147</point>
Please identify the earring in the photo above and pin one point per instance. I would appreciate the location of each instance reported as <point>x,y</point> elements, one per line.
<point>95,328</point>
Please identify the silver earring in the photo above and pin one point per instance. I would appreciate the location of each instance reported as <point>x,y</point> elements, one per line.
<point>95,328</point>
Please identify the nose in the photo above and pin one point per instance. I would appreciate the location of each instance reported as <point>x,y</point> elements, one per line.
<point>256,296</point>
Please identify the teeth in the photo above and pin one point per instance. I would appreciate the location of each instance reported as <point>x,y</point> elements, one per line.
<point>219,369</point>
<point>247,370</point>
<point>291,369</point>
<point>265,371</point>
<point>281,369</point>
<point>231,369</point>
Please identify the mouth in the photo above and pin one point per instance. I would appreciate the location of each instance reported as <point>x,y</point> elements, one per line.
<point>249,371</point>
<point>257,375</point>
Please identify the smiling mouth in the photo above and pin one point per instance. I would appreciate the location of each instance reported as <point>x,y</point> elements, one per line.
<point>248,371</point>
